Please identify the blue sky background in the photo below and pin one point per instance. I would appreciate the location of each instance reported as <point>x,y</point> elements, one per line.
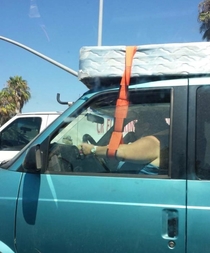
<point>59,28</point>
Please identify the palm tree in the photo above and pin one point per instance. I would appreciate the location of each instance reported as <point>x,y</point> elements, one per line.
<point>204,19</point>
<point>13,97</point>
<point>7,107</point>
<point>19,91</point>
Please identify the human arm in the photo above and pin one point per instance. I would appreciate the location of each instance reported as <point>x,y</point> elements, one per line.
<point>144,150</point>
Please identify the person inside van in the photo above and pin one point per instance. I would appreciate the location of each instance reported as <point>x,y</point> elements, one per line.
<point>150,152</point>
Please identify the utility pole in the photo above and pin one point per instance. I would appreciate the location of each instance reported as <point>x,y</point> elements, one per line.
<point>100,22</point>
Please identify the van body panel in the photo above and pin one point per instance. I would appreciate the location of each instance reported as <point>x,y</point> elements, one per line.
<point>119,214</point>
<point>198,211</point>
<point>9,188</point>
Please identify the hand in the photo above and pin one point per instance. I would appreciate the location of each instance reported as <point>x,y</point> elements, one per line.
<point>86,148</point>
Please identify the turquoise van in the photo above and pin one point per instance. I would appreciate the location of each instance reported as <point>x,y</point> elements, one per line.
<point>54,198</point>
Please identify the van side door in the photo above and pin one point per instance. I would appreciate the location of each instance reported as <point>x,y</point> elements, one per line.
<point>81,205</point>
<point>198,186</point>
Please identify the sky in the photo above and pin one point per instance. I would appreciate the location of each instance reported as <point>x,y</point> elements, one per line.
<point>59,28</point>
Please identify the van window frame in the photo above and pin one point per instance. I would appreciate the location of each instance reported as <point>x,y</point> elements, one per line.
<point>178,102</point>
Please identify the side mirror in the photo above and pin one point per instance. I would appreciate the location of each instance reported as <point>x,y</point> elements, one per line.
<point>33,160</point>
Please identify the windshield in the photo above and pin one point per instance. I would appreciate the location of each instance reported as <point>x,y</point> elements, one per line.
<point>58,29</point>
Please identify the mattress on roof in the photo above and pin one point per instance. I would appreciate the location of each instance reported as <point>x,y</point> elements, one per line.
<point>108,62</point>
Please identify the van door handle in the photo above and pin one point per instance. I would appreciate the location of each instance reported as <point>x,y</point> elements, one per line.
<point>172,227</point>
<point>172,223</point>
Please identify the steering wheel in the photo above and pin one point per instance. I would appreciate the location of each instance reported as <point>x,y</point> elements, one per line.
<point>89,139</point>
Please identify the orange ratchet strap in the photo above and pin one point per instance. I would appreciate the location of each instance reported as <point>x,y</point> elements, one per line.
<point>122,104</point>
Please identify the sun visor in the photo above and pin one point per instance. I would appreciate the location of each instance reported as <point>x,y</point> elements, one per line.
<point>104,65</point>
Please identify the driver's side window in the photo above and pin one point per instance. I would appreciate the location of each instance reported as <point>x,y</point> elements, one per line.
<point>148,114</point>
